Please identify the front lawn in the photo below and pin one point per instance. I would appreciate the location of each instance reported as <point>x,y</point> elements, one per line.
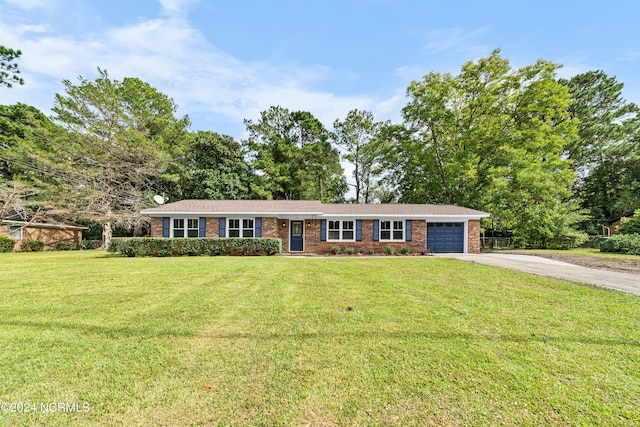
<point>310,341</point>
<point>575,251</point>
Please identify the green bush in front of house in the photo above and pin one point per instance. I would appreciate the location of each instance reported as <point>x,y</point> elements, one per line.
<point>65,246</point>
<point>32,246</point>
<point>624,243</point>
<point>6,244</point>
<point>162,247</point>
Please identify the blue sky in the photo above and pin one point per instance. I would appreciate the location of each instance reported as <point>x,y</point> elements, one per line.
<point>225,61</point>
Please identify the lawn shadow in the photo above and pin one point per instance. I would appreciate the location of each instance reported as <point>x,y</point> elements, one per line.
<point>112,332</point>
<point>123,331</point>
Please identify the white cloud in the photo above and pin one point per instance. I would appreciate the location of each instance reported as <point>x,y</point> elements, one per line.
<point>572,65</point>
<point>443,39</point>
<point>175,7</point>
<point>31,4</point>
<point>176,59</point>
<point>632,55</point>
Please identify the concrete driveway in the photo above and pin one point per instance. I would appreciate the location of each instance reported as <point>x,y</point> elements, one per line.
<point>625,282</point>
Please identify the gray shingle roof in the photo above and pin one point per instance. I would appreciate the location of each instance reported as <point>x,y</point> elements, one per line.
<point>310,207</point>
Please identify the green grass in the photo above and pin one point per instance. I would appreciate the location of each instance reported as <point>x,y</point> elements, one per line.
<point>576,251</point>
<point>429,341</point>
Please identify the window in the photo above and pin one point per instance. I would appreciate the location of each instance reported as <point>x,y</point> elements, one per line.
<point>15,232</point>
<point>185,227</point>
<point>391,230</point>
<point>341,230</point>
<point>241,227</point>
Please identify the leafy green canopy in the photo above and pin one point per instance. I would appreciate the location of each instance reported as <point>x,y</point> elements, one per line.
<point>606,154</point>
<point>630,225</point>
<point>293,157</point>
<point>490,138</point>
<point>213,167</point>
<point>27,136</point>
<point>358,135</point>
<point>118,140</point>
<point>8,69</point>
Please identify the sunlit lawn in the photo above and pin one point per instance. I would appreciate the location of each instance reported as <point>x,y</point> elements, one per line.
<point>272,341</point>
<point>576,251</point>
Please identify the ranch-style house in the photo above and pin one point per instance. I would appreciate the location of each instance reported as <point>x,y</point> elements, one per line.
<point>312,227</point>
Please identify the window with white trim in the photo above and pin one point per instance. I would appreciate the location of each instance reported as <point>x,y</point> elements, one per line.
<point>241,227</point>
<point>392,230</point>
<point>15,232</point>
<point>341,230</point>
<point>185,227</point>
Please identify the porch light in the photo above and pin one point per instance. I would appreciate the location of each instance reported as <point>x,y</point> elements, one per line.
<point>284,224</point>
<point>308,223</point>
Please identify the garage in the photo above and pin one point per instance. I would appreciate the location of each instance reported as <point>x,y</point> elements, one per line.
<point>445,237</point>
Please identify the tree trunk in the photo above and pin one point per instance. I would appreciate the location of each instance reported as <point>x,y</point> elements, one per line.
<point>137,229</point>
<point>107,233</point>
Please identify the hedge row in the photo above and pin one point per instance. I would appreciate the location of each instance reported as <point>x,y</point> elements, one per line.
<point>162,247</point>
<point>625,243</point>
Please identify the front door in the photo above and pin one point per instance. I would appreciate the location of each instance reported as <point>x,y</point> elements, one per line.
<point>296,241</point>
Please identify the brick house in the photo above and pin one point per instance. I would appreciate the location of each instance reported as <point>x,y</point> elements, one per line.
<point>309,227</point>
<point>46,229</point>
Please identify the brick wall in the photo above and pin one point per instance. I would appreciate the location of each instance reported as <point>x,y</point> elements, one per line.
<point>313,243</point>
<point>156,227</point>
<point>473,241</point>
<point>212,227</point>
<point>273,227</point>
<point>49,236</point>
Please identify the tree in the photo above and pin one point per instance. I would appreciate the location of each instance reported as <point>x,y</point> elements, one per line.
<point>605,155</point>
<point>213,167</point>
<point>24,132</point>
<point>358,136</point>
<point>14,201</point>
<point>293,157</point>
<point>9,72</point>
<point>119,140</point>
<point>490,138</point>
<point>630,225</point>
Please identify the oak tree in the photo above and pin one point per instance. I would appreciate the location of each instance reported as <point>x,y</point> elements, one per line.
<point>490,138</point>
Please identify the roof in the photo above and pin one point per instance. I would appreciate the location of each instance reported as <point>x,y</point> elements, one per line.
<point>58,225</point>
<point>40,220</point>
<point>617,219</point>
<point>310,207</point>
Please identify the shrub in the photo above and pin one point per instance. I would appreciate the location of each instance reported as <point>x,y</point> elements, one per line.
<point>624,243</point>
<point>390,250</point>
<point>335,250</point>
<point>405,250</point>
<point>65,246</point>
<point>630,225</point>
<point>350,251</point>
<point>32,246</point>
<point>6,244</point>
<point>161,247</point>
